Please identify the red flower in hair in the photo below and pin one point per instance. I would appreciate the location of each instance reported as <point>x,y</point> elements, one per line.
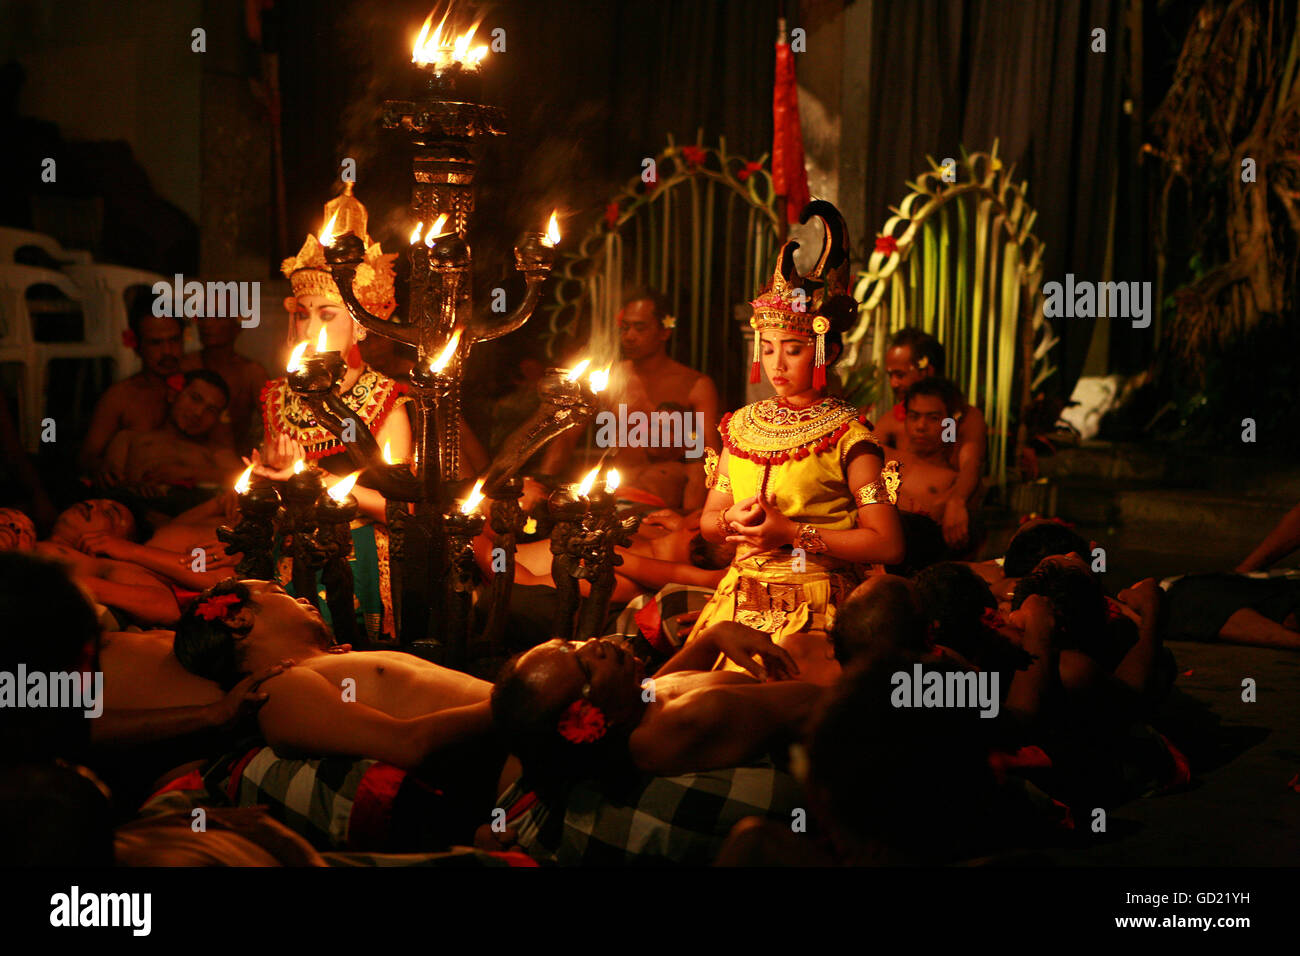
<point>992,619</point>
<point>748,170</point>
<point>176,382</point>
<point>886,244</point>
<point>694,155</point>
<point>129,339</point>
<point>216,608</point>
<point>611,215</point>
<point>582,723</point>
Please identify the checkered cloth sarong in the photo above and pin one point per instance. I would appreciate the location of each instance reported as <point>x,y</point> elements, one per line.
<point>334,802</point>
<point>681,819</point>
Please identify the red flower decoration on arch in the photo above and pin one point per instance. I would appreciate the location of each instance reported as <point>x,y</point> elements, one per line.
<point>748,170</point>
<point>582,723</point>
<point>695,155</point>
<point>611,215</point>
<point>886,244</point>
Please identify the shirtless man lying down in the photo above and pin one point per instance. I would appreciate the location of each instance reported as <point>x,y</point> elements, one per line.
<point>569,709</point>
<point>384,704</point>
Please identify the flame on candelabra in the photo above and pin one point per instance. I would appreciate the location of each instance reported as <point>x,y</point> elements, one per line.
<point>599,379</point>
<point>611,480</point>
<point>584,487</point>
<point>341,489</point>
<point>444,359</point>
<point>444,51</point>
<point>327,234</point>
<point>470,504</point>
<point>415,234</point>
<point>295,357</point>
<point>322,342</point>
<point>577,371</point>
<point>388,453</point>
<point>552,231</point>
<point>298,466</point>
<point>435,231</point>
<point>245,481</point>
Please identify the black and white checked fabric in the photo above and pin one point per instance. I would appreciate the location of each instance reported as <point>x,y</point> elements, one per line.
<point>681,819</point>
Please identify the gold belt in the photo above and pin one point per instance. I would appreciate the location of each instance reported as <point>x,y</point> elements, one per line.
<point>764,605</point>
<point>755,595</point>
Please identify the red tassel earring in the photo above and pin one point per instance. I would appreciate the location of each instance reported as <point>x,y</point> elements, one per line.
<point>354,358</point>
<point>755,374</point>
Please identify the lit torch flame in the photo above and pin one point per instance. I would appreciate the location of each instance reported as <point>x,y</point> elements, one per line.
<point>322,342</point>
<point>388,453</point>
<point>295,358</point>
<point>599,379</point>
<point>298,466</point>
<point>552,231</point>
<point>444,359</point>
<point>245,481</point>
<point>584,487</point>
<point>444,51</point>
<point>578,369</point>
<point>327,234</point>
<point>470,504</point>
<point>611,480</point>
<point>340,490</point>
<point>435,231</point>
<point>415,235</point>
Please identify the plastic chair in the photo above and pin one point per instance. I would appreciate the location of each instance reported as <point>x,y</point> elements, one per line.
<point>18,342</point>
<point>104,289</point>
<point>11,240</point>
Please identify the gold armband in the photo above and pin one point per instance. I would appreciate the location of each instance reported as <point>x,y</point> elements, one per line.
<point>809,540</point>
<point>884,490</point>
<point>712,477</point>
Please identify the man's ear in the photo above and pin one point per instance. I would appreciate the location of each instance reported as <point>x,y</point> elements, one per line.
<point>241,621</point>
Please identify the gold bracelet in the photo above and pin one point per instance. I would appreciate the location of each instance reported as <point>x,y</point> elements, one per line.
<point>724,526</point>
<point>809,540</point>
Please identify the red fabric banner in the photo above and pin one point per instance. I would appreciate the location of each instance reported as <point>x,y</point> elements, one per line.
<point>789,178</point>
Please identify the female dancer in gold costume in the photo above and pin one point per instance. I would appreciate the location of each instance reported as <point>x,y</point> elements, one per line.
<point>801,486</point>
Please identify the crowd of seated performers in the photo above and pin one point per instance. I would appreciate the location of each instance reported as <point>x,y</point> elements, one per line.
<point>788,531</point>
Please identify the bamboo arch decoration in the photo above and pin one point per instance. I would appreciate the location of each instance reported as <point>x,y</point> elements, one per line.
<point>975,285</point>
<point>705,209</point>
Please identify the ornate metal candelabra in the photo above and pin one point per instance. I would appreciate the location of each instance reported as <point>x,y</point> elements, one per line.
<point>254,536</point>
<point>442,120</point>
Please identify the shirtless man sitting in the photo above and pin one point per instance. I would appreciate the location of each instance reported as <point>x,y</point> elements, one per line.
<point>178,452</point>
<point>140,401</point>
<point>383,704</point>
<point>565,708</point>
<point>929,464</point>
<point>913,356</point>
<point>244,377</point>
<point>648,381</point>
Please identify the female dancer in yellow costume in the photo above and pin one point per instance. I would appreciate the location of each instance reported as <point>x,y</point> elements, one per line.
<point>801,487</point>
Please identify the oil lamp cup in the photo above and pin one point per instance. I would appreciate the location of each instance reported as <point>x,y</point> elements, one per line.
<point>254,535</point>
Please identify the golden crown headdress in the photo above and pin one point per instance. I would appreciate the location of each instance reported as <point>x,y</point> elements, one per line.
<point>373,284</point>
<point>795,303</point>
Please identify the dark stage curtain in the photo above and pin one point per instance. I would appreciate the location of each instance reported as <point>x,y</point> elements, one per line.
<point>961,72</point>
